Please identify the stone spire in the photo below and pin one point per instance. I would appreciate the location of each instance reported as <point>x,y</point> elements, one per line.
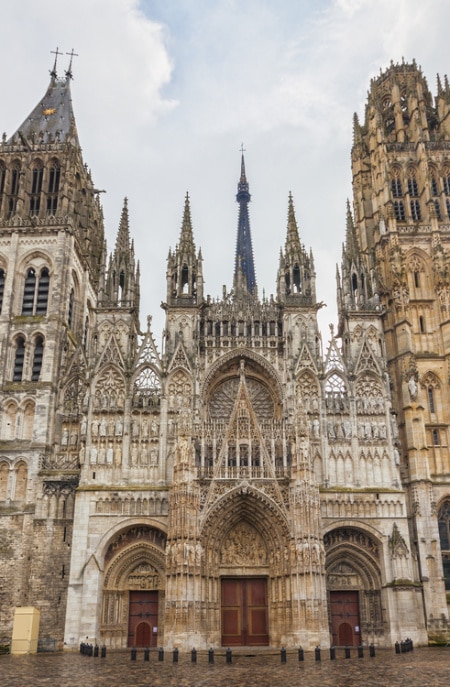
<point>184,266</point>
<point>122,282</point>
<point>296,277</point>
<point>244,281</point>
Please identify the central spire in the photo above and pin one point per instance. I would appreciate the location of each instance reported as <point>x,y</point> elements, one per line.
<point>244,281</point>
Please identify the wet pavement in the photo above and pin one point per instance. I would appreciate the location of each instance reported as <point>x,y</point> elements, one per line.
<point>421,668</point>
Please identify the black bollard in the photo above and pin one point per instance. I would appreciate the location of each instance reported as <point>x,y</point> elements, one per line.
<point>347,651</point>
<point>194,656</point>
<point>146,654</point>
<point>360,651</point>
<point>103,652</point>
<point>229,655</point>
<point>397,647</point>
<point>133,654</point>
<point>317,653</point>
<point>411,645</point>
<point>90,650</point>
<point>160,654</point>
<point>96,651</point>
<point>283,655</point>
<point>332,653</point>
<point>175,655</point>
<point>372,651</point>
<point>301,654</point>
<point>402,647</point>
<point>81,648</point>
<point>211,656</point>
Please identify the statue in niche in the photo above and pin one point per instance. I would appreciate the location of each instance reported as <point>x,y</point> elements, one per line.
<point>65,437</point>
<point>412,387</point>
<point>347,427</point>
<point>93,455</point>
<point>145,428</point>
<point>394,427</point>
<point>118,456</point>
<point>316,428</point>
<point>135,429</point>
<point>119,427</point>
<point>103,428</point>
<point>110,454</point>
<point>94,428</point>
<point>83,427</point>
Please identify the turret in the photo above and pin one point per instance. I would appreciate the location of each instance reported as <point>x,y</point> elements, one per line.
<point>184,266</point>
<point>122,282</point>
<point>296,277</point>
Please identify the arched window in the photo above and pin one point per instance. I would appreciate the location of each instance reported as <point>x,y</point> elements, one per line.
<point>42,292</point>
<point>434,185</point>
<point>54,176</point>
<point>296,279</point>
<point>444,537</point>
<point>86,333</point>
<point>396,184</point>
<point>446,180</point>
<point>413,188</point>
<point>70,309</point>
<point>35,294</point>
<point>19,359</point>
<point>36,188</point>
<point>399,210</point>
<point>28,293</point>
<point>37,358</point>
<point>2,288</point>
<point>14,180</point>
<point>21,482</point>
<point>415,210</point>
<point>437,208</point>
<point>28,422</point>
<point>4,476</point>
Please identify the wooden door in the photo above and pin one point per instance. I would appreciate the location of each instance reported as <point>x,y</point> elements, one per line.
<point>143,619</point>
<point>244,612</point>
<point>345,623</point>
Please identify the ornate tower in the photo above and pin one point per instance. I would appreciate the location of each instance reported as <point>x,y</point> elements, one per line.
<point>401,184</point>
<point>51,252</point>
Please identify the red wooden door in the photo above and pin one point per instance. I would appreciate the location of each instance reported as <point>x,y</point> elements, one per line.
<point>345,623</point>
<point>244,612</point>
<point>143,619</point>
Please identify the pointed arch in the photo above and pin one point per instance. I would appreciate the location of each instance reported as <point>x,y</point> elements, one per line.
<point>4,479</point>
<point>21,481</point>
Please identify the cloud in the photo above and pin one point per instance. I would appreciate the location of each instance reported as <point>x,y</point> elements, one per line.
<point>164,93</point>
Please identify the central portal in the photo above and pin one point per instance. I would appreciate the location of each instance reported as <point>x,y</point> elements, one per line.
<point>244,612</point>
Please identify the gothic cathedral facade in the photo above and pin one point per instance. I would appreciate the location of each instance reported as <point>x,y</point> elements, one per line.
<point>239,485</point>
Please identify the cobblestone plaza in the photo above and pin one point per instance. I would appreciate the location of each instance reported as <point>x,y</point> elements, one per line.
<point>421,668</point>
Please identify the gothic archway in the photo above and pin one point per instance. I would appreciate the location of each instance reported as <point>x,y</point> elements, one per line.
<point>246,539</point>
<point>133,588</point>
<point>353,586</point>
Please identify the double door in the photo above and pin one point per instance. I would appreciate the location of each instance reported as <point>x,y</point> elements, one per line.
<point>244,612</point>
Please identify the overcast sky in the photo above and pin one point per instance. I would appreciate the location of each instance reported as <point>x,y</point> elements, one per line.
<point>165,92</point>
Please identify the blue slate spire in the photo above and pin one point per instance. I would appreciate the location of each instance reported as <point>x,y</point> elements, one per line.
<point>244,280</point>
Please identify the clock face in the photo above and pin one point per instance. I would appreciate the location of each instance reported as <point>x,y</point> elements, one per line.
<point>224,397</point>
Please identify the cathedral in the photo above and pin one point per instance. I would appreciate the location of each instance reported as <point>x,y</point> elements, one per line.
<point>240,484</point>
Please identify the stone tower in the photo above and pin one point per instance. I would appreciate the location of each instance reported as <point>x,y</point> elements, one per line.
<point>51,258</point>
<point>401,183</point>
